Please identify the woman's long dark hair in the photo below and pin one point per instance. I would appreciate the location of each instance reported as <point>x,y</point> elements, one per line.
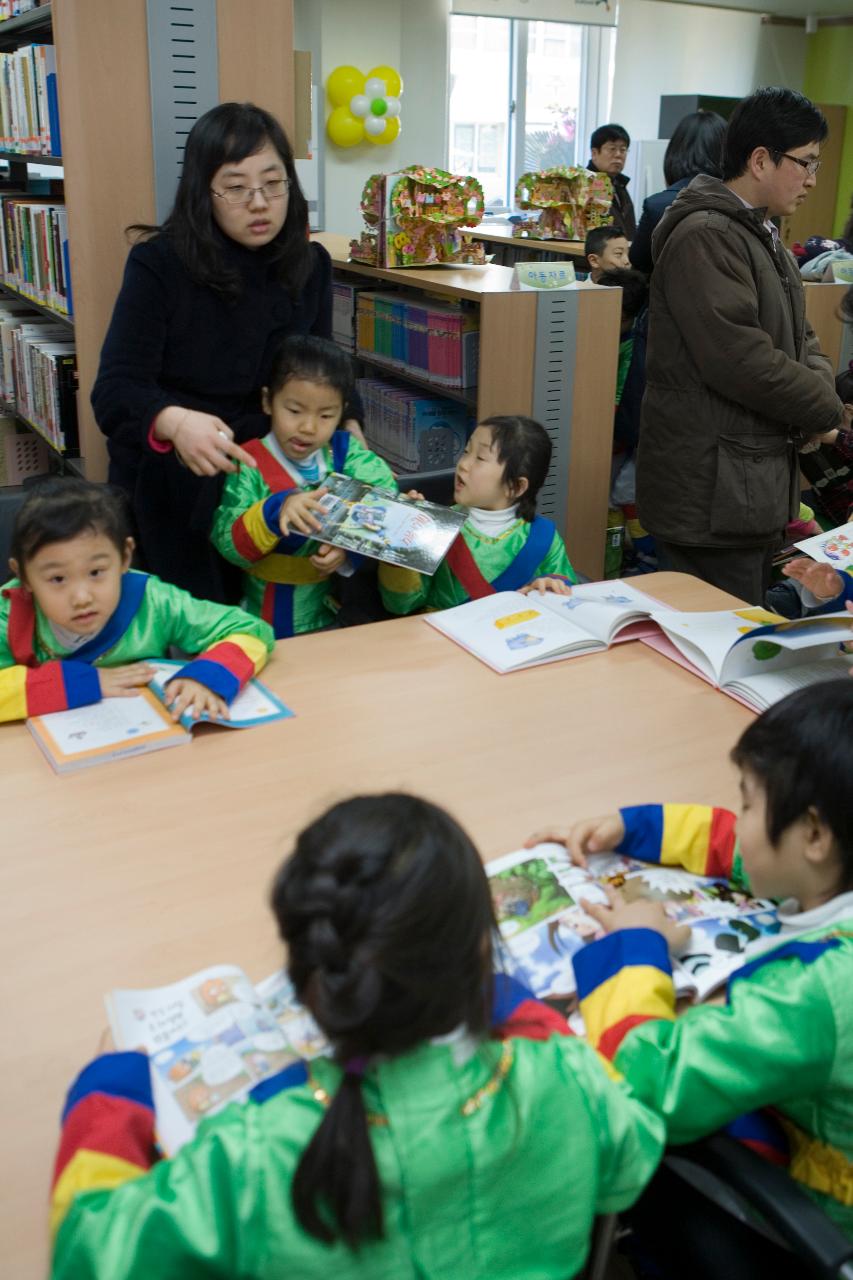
<point>696,146</point>
<point>386,913</point>
<point>226,135</point>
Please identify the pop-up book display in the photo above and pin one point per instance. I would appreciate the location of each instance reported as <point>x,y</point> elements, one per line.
<point>573,201</point>
<point>414,218</point>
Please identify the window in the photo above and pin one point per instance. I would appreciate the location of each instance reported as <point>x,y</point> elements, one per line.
<point>524,95</point>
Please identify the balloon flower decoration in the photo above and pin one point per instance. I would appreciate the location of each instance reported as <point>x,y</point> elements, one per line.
<point>364,106</point>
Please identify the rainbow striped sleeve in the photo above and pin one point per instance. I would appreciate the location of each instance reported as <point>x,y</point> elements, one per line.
<point>54,686</point>
<point>693,836</point>
<point>623,980</point>
<point>107,1130</point>
<point>226,667</point>
<point>517,1012</point>
<point>256,532</point>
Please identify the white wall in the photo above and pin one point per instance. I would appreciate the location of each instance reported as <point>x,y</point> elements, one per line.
<point>411,37</point>
<point>677,48</point>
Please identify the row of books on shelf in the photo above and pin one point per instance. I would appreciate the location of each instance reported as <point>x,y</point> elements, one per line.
<point>343,313</point>
<point>38,373</point>
<point>411,429</point>
<point>421,337</point>
<point>34,252</point>
<point>29,107</point>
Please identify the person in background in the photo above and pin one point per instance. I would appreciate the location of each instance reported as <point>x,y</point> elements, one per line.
<point>608,147</point>
<point>206,299</point>
<point>640,555</point>
<point>735,379</point>
<point>695,147</point>
<point>606,249</point>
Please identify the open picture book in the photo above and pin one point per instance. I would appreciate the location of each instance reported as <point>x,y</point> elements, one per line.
<point>537,894</point>
<point>211,1038</point>
<point>752,655</point>
<point>118,727</point>
<point>510,631</point>
<point>375,522</point>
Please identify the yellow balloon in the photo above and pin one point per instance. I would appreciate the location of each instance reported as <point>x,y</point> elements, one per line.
<point>389,133</point>
<point>345,129</point>
<point>392,78</point>
<point>343,83</point>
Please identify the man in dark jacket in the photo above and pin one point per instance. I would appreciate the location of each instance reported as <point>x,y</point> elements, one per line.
<point>735,380</point>
<point>609,150</point>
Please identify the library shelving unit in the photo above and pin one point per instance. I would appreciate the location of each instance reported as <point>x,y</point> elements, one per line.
<point>823,309</point>
<point>32,27</point>
<point>549,354</point>
<point>104,77</point>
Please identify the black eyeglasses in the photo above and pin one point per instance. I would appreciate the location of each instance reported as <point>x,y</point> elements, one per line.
<point>811,166</point>
<point>272,190</point>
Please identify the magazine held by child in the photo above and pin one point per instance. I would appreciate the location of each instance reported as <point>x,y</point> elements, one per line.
<point>374,522</point>
<point>118,727</point>
<point>537,894</point>
<point>211,1038</point>
<point>834,547</point>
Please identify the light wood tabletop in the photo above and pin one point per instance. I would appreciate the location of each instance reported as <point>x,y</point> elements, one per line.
<point>140,872</point>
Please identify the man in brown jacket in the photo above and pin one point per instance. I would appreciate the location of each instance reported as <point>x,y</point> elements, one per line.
<point>735,380</point>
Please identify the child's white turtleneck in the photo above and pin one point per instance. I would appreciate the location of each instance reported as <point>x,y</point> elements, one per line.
<point>491,524</point>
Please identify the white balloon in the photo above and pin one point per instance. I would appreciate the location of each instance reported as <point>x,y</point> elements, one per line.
<point>375,88</point>
<point>359,105</point>
<point>394,105</point>
<point>374,125</point>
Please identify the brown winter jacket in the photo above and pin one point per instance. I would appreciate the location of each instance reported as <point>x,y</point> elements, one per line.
<point>734,377</point>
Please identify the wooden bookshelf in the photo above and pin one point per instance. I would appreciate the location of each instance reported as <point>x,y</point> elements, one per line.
<point>551,355</point>
<point>823,309</point>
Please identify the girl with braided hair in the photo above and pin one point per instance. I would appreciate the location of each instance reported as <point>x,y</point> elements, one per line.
<point>457,1129</point>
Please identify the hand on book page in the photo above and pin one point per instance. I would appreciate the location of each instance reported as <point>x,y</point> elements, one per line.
<point>619,913</point>
<point>189,698</point>
<point>821,580</point>
<point>124,682</point>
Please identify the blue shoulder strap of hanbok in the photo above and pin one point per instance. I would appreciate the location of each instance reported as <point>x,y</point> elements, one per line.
<point>529,558</point>
<point>132,593</point>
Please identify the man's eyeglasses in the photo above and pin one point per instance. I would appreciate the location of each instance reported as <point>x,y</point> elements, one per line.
<point>811,166</point>
<point>272,190</point>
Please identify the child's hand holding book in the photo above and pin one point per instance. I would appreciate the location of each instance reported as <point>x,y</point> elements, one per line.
<point>299,512</point>
<point>188,697</point>
<point>821,580</point>
<point>124,682</point>
<point>590,835</point>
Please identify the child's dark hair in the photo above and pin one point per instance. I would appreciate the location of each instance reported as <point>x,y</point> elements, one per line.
<point>524,447</point>
<point>634,286</point>
<point>386,913</point>
<point>801,753</point>
<point>599,236</point>
<point>227,134</point>
<point>58,509</point>
<point>608,133</point>
<point>316,360</point>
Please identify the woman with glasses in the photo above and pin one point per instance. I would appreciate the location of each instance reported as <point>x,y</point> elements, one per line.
<point>206,298</point>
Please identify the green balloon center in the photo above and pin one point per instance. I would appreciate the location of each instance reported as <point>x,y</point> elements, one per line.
<point>379,106</point>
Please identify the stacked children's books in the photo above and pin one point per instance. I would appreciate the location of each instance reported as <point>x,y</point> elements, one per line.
<point>411,429</point>
<point>422,337</point>
<point>29,107</point>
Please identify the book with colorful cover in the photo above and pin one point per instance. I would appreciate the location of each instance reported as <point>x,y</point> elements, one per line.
<point>834,547</point>
<point>386,526</point>
<point>510,631</point>
<point>211,1038</point>
<point>537,894</point>
<point>117,727</point>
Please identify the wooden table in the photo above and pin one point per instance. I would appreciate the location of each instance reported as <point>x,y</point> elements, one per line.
<point>139,872</point>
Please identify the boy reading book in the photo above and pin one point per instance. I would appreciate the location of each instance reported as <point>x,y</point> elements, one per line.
<point>784,1038</point>
<point>76,623</point>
